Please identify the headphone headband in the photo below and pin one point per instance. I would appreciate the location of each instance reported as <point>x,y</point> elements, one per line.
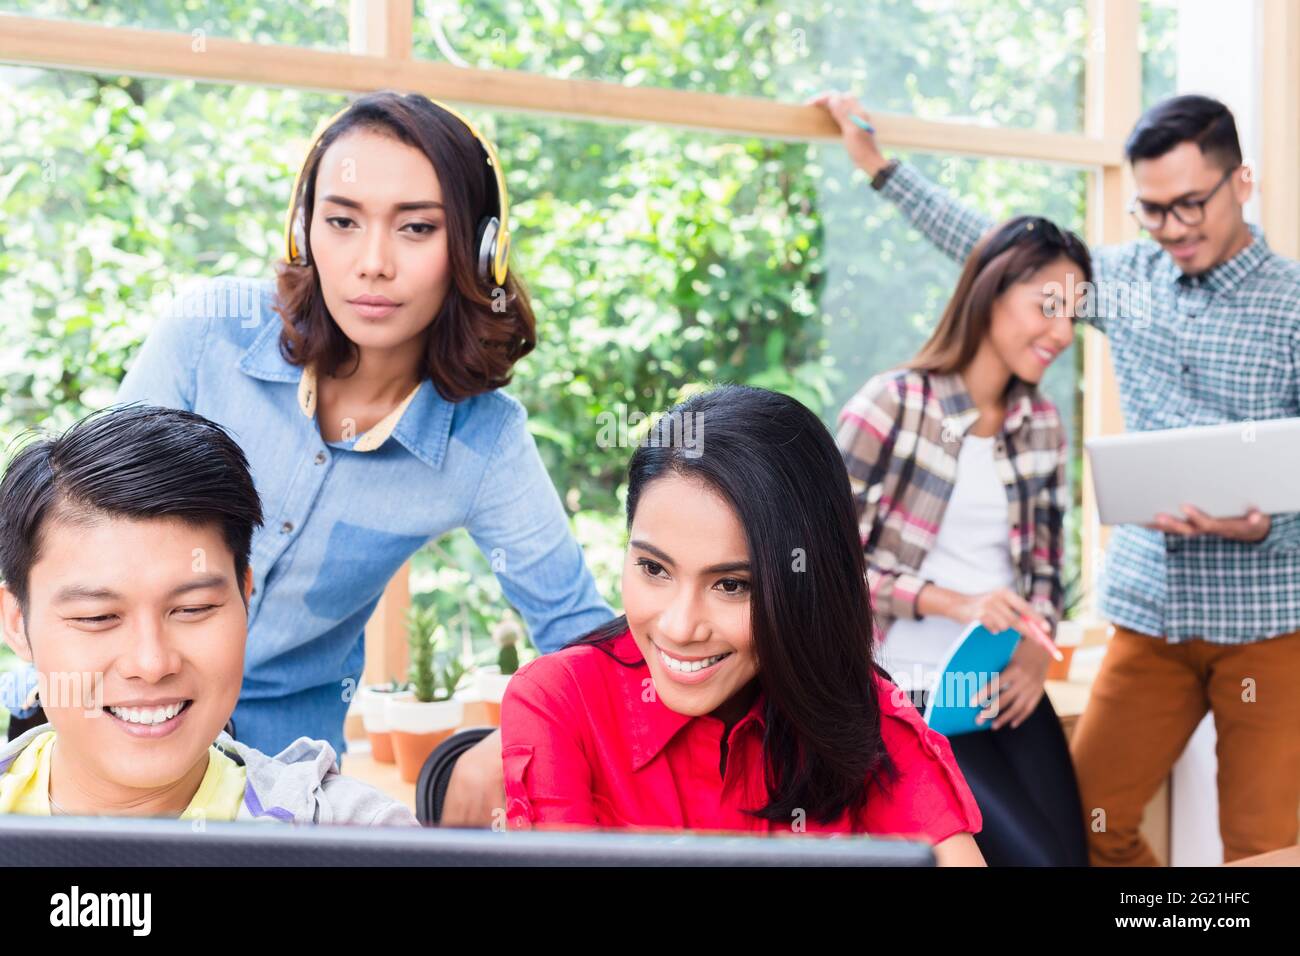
<point>493,233</point>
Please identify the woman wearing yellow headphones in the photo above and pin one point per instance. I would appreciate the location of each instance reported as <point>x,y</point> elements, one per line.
<point>364,384</point>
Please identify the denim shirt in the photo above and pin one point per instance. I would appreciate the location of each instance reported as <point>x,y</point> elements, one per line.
<point>340,522</point>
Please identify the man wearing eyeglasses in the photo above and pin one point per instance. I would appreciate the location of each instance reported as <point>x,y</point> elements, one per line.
<point>1204,325</point>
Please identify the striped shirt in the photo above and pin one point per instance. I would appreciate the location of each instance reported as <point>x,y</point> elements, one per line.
<point>900,436</point>
<point>1222,346</point>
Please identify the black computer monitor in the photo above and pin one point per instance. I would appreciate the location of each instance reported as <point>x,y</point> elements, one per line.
<point>119,841</point>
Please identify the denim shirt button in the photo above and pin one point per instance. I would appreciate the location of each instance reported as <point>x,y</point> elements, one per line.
<point>286,527</point>
<point>320,458</point>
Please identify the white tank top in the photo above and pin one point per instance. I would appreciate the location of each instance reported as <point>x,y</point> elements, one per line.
<point>971,555</point>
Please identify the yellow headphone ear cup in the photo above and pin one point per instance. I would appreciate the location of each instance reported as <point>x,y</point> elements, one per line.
<point>498,265</point>
<point>501,264</point>
<point>295,232</point>
<point>290,248</point>
<point>299,248</point>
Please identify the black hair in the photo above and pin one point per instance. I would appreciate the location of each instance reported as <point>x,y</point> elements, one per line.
<point>1180,119</point>
<point>131,461</point>
<point>776,464</point>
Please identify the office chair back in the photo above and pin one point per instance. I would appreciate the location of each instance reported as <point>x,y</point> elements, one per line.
<point>435,775</point>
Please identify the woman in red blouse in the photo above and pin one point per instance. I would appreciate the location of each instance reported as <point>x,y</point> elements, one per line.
<point>738,692</point>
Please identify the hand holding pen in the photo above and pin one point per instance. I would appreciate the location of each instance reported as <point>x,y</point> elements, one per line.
<point>856,129</point>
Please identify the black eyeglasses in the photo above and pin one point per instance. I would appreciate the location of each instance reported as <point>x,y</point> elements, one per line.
<point>1190,212</point>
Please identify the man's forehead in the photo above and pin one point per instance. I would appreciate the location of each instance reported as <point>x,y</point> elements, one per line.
<point>68,523</point>
<point>1184,169</point>
<point>95,550</point>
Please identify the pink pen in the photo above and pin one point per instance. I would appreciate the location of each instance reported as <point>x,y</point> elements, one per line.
<point>1036,633</point>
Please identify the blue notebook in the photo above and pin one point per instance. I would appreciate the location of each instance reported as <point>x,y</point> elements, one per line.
<point>971,662</point>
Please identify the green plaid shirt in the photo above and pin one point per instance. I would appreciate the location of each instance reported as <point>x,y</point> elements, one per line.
<point>1223,346</point>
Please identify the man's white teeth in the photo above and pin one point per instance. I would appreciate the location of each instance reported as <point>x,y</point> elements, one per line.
<point>147,715</point>
<point>690,667</point>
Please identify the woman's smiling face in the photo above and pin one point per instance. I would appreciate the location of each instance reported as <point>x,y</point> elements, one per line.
<point>686,593</point>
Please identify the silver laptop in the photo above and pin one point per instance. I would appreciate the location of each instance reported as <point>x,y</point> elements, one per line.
<point>1224,470</point>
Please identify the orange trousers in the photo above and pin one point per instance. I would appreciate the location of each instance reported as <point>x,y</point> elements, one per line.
<point>1147,701</point>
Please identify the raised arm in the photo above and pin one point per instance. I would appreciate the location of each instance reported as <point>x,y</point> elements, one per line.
<point>952,226</point>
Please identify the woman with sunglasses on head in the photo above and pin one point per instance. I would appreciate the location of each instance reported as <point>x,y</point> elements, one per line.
<point>958,469</point>
<point>738,691</point>
<point>364,385</point>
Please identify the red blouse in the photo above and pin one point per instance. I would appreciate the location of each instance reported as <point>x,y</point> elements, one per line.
<point>586,742</point>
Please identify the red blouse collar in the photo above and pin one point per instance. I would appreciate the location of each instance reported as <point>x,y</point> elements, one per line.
<point>651,724</point>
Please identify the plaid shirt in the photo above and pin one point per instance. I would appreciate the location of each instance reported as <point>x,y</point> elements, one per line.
<point>900,436</point>
<point>1223,346</point>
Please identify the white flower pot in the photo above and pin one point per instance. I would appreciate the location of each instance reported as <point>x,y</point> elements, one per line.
<point>483,697</point>
<point>407,715</point>
<point>490,684</point>
<point>372,703</point>
<point>1069,633</point>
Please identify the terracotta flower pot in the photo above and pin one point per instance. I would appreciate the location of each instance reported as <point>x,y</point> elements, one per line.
<point>490,685</point>
<point>476,712</point>
<point>1069,634</point>
<point>482,698</point>
<point>372,702</point>
<point>417,727</point>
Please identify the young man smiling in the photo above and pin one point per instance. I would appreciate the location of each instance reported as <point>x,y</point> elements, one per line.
<point>124,551</point>
<point>1206,610</point>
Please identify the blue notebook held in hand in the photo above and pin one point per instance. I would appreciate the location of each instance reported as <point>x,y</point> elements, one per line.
<point>971,662</point>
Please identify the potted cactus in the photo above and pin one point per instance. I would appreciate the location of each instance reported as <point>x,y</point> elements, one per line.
<point>492,671</point>
<point>491,680</point>
<point>429,714</point>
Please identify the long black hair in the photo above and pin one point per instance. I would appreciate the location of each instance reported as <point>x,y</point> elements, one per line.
<point>810,611</point>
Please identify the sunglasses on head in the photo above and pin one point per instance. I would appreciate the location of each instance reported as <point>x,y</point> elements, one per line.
<point>1030,228</point>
